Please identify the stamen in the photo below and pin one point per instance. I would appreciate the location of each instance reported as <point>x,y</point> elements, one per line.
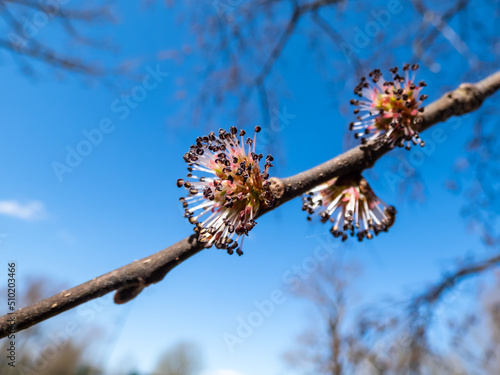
<point>231,198</point>
<point>358,211</point>
<point>390,113</point>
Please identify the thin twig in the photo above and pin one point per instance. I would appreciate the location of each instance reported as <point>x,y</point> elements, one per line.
<point>435,293</point>
<point>298,12</point>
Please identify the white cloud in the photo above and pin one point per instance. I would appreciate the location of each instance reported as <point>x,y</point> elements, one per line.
<point>222,372</point>
<point>29,211</point>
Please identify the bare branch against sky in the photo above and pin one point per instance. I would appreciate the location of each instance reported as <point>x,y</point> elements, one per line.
<point>130,280</point>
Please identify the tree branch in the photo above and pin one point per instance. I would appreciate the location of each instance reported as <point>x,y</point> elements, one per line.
<point>434,293</point>
<point>298,12</point>
<point>129,280</point>
<point>25,46</point>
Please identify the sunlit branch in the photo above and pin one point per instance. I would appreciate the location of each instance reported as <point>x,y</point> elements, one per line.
<point>129,280</point>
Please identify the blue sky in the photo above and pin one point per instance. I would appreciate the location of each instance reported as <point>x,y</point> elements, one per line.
<point>120,203</point>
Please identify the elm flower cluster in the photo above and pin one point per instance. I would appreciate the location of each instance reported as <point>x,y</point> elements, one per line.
<point>389,109</point>
<point>351,206</point>
<point>230,197</point>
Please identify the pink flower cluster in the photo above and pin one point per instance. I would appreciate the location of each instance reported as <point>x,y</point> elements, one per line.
<point>351,206</point>
<point>231,191</point>
<point>389,109</point>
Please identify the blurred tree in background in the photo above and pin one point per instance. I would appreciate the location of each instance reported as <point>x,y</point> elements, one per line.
<point>39,351</point>
<point>182,359</point>
<point>424,334</point>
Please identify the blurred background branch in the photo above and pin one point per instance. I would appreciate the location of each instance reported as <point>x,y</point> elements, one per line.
<point>28,35</point>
